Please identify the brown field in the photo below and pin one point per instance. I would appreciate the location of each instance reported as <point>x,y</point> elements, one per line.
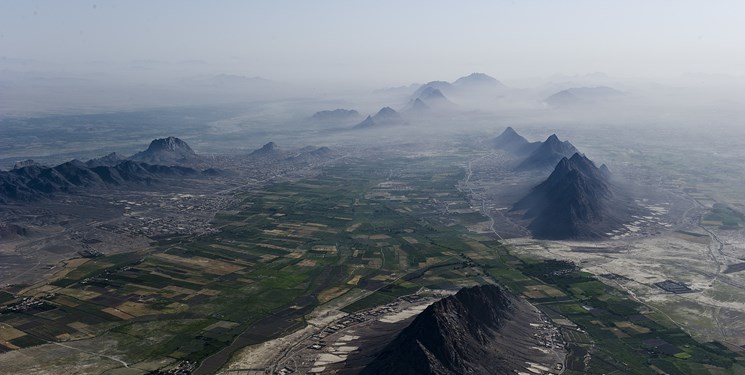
<point>326,248</point>
<point>545,290</point>
<point>140,309</point>
<point>625,325</point>
<point>209,265</point>
<point>620,334</point>
<point>117,313</point>
<point>379,237</point>
<point>275,247</point>
<point>331,293</point>
<point>8,333</point>
<point>307,263</point>
<point>355,280</point>
<point>410,240</point>
<point>79,294</point>
<point>534,294</point>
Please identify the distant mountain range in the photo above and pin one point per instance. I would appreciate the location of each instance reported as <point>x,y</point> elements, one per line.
<point>474,84</point>
<point>268,149</point>
<point>336,115</point>
<point>273,153</point>
<point>33,182</point>
<point>572,203</point>
<point>581,96</point>
<point>514,143</point>
<point>533,155</point>
<point>547,154</point>
<point>430,99</point>
<point>387,116</point>
<point>473,332</point>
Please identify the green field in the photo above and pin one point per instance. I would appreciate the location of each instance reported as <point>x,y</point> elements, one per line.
<point>289,247</point>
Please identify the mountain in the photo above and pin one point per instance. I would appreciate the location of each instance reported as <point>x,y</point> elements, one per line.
<point>109,160</point>
<point>581,96</point>
<point>24,163</point>
<point>432,98</point>
<point>478,80</point>
<point>572,203</point>
<point>268,149</point>
<point>418,106</point>
<point>547,154</point>
<point>474,84</point>
<point>479,330</point>
<point>311,154</point>
<point>442,86</point>
<point>514,143</point>
<point>385,117</point>
<point>165,151</point>
<point>336,115</point>
<point>35,182</point>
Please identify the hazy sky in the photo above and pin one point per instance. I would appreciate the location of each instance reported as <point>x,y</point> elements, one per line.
<point>382,42</point>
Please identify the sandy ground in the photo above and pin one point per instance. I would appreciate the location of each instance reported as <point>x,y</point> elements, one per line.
<point>714,311</point>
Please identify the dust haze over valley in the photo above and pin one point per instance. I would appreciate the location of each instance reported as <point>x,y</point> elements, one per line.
<point>341,189</point>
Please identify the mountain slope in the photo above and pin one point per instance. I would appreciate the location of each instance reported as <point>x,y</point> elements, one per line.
<point>573,202</point>
<point>514,143</point>
<point>582,95</point>
<point>165,151</point>
<point>480,330</point>
<point>335,115</point>
<point>385,117</point>
<point>547,154</point>
<point>267,150</point>
<point>35,182</point>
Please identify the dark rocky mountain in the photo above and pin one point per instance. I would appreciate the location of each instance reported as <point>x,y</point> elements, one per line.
<point>268,149</point>
<point>166,151</point>
<point>108,160</point>
<point>582,96</point>
<point>336,115</point>
<point>479,330</point>
<point>385,117</point>
<point>573,203</point>
<point>547,154</point>
<point>514,143</point>
<point>35,182</point>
